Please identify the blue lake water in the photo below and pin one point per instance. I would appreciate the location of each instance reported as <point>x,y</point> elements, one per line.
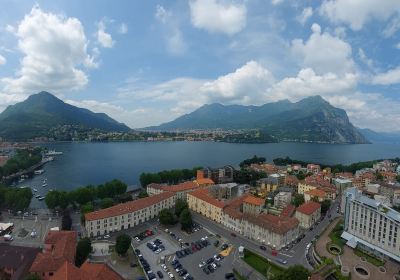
<point>95,163</point>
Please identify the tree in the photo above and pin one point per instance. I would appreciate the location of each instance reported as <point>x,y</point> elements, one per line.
<point>32,276</point>
<point>180,205</point>
<point>300,175</point>
<point>166,217</point>
<point>398,178</point>
<point>66,221</point>
<point>186,219</point>
<point>88,207</point>
<point>83,250</point>
<point>17,199</point>
<point>298,199</point>
<point>143,194</point>
<point>295,272</point>
<point>379,176</point>
<point>57,199</point>
<point>325,205</point>
<point>106,202</point>
<point>254,160</point>
<point>122,244</point>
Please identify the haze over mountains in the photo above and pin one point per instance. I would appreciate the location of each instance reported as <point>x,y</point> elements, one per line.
<point>42,112</point>
<point>312,119</point>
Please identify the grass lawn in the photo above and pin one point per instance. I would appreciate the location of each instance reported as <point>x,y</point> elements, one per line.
<point>371,259</point>
<point>261,264</point>
<point>335,235</point>
<point>237,275</point>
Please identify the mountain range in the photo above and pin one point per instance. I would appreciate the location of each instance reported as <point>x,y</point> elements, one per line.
<point>43,112</point>
<point>311,119</point>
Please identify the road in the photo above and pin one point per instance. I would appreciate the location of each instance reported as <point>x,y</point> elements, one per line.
<point>294,256</point>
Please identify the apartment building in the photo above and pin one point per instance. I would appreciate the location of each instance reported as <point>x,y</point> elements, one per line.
<point>308,214</point>
<point>201,201</point>
<point>282,199</point>
<point>371,226</point>
<point>244,215</point>
<point>128,214</point>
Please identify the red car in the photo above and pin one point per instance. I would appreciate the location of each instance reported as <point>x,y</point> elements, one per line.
<point>274,253</point>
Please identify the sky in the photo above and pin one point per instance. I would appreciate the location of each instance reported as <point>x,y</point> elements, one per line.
<point>148,62</point>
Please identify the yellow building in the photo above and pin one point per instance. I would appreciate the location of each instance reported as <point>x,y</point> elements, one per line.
<point>308,213</point>
<point>305,187</point>
<point>201,202</point>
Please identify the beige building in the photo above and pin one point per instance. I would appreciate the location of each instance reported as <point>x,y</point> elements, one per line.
<point>244,216</point>
<point>282,199</point>
<point>308,213</point>
<point>305,187</point>
<point>127,215</point>
<point>200,201</point>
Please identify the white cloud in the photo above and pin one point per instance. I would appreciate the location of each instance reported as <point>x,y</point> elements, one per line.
<point>276,2</point>
<point>3,60</point>
<point>397,46</point>
<point>123,28</point>
<point>53,48</point>
<point>323,52</point>
<point>175,42</point>
<point>104,38</point>
<point>388,78</point>
<point>363,57</point>
<point>358,12</point>
<point>247,85</point>
<point>305,15</point>
<point>218,16</point>
<point>392,27</point>
<point>10,28</point>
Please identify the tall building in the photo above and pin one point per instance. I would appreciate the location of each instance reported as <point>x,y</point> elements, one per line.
<point>219,175</point>
<point>371,225</point>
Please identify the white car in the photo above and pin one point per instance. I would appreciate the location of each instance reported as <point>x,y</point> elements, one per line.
<point>158,251</point>
<point>178,269</point>
<point>217,258</point>
<point>137,239</point>
<point>166,230</point>
<point>170,275</point>
<point>107,236</point>
<point>214,265</point>
<point>164,267</point>
<point>202,264</point>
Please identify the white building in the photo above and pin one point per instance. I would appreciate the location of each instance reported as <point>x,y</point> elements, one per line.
<point>128,214</point>
<point>282,199</point>
<point>371,226</point>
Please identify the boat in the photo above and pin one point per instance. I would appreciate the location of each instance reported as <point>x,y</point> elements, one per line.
<point>39,172</point>
<point>37,196</point>
<point>21,180</point>
<point>35,190</point>
<point>41,198</point>
<point>44,185</point>
<point>53,153</point>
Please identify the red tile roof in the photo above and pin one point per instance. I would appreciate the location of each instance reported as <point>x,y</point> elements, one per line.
<point>288,211</point>
<point>254,200</point>
<point>128,207</point>
<point>204,181</point>
<point>88,271</point>
<point>277,224</point>
<point>180,187</point>
<point>204,194</point>
<point>60,246</point>
<point>309,207</point>
<point>100,271</point>
<point>317,193</point>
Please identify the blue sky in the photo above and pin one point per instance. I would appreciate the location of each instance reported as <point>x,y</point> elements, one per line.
<point>148,62</point>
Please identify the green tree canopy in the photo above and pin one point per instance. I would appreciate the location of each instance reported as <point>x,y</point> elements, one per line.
<point>143,193</point>
<point>325,205</point>
<point>83,250</point>
<point>57,199</point>
<point>248,176</point>
<point>106,202</point>
<point>298,199</point>
<point>166,217</point>
<point>122,244</point>
<point>32,276</point>
<point>15,199</point>
<point>398,178</point>
<point>186,219</point>
<point>86,208</point>
<point>168,176</point>
<point>254,160</point>
<point>180,205</point>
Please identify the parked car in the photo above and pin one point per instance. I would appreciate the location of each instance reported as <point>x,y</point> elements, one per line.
<point>263,248</point>
<point>171,276</point>
<point>282,261</point>
<point>160,275</point>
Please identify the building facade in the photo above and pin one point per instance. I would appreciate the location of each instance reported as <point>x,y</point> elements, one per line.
<point>202,202</point>
<point>308,214</point>
<point>371,226</point>
<point>128,214</point>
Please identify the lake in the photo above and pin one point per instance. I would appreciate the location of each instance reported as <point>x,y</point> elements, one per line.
<point>95,163</point>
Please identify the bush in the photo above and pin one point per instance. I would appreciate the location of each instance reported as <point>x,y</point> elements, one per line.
<point>83,250</point>
<point>122,245</point>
